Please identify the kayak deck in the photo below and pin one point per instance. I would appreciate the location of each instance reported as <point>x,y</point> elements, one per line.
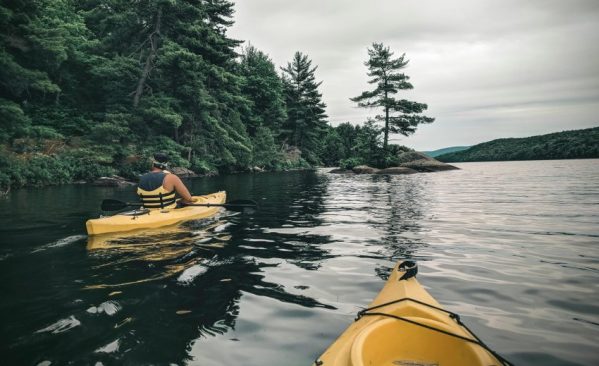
<point>406,326</point>
<point>155,217</point>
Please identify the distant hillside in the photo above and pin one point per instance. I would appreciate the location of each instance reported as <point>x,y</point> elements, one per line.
<point>445,150</point>
<point>577,144</point>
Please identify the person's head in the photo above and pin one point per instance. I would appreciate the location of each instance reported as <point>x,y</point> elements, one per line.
<point>160,161</point>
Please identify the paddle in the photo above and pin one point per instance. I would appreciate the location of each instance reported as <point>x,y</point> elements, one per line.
<point>237,205</point>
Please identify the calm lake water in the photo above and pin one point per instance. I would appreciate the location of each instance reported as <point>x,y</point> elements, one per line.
<point>511,246</point>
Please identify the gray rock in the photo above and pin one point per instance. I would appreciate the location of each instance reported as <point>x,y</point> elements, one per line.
<point>421,162</point>
<point>409,156</point>
<point>112,181</point>
<point>364,169</point>
<point>397,171</point>
<point>341,171</point>
<point>291,153</point>
<point>183,172</point>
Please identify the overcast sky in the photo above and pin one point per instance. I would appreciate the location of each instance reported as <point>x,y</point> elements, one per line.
<point>486,69</point>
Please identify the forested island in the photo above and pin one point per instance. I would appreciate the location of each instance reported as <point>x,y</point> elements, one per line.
<point>576,144</point>
<point>445,150</point>
<point>90,88</point>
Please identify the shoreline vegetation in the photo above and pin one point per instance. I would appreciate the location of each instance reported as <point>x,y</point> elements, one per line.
<point>90,89</point>
<point>573,144</point>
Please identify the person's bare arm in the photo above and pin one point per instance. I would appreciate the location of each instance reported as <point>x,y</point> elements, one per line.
<point>171,182</point>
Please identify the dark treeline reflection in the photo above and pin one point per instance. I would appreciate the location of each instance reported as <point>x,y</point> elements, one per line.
<point>401,218</point>
<point>146,297</point>
<point>277,286</point>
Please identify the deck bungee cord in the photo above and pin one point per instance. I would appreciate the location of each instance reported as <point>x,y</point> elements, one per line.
<point>373,340</point>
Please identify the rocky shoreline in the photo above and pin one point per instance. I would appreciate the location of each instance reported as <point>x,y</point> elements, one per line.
<point>120,182</point>
<point>410,162</point>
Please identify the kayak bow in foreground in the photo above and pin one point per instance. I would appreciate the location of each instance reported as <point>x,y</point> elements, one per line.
<point>406,326</point>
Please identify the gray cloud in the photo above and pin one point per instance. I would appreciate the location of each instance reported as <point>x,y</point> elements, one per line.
<point>487,69</point>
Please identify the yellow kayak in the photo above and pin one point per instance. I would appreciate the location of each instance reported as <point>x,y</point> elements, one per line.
<point>406,326</point>
<point>153,218</point>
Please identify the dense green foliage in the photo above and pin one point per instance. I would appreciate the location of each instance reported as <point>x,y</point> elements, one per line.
<point>89,88</point>
<point>577,144</point>
<point>348,146</point>
<point>400,115</point>
<point>306,118</point>
<point>263,87</point>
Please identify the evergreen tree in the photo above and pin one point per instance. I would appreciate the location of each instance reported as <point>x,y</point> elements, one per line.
<point>400,115</point>
<point>348,134</point>
<point>174,64</point>
<point>368,143</point>
<point>265,153</point>
<point>93,87</point>
<point>39,47</point>
<point>333,150</point>
<point>263,87</point>
<point>22,74</point>
<point>306,118</point>
<point>355,145</point>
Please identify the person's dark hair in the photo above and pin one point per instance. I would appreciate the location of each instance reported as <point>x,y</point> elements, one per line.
<point>160,160</point>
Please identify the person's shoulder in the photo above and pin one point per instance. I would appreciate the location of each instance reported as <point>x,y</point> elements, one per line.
<point>170,176</point>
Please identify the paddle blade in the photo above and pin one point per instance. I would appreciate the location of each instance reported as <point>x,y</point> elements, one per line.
<point>245,206</point>
<point>243,202</point>
<point>113,205</point>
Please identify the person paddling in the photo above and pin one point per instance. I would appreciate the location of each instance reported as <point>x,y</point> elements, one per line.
<point>157,188</point>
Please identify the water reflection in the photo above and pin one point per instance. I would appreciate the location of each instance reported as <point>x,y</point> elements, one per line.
<point>401,219</point>
<point>206,266</point>
<point>518,259</point>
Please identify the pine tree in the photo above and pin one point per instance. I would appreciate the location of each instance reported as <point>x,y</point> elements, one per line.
<point>306,118</point>
<point>93,87</point>
<point>333,149</point>
<point>171,66</point>
<point>265,153</point>
<point>39,49</point>
<point>263,87</point>
<point>400,115</point>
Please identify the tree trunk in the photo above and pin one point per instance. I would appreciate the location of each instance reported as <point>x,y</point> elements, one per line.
<point>57,97</point>
<point>386,123</point>
<point>149,60</point>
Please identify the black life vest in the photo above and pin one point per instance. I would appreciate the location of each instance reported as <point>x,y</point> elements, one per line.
<point>151,192</point>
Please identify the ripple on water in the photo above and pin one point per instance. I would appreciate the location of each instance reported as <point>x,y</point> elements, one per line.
<point>108,307</point>
<point>61,326</point>
<point>110,347</point>
<point>512,247</point>
<point>188,275</point>
<point>61,243</point>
